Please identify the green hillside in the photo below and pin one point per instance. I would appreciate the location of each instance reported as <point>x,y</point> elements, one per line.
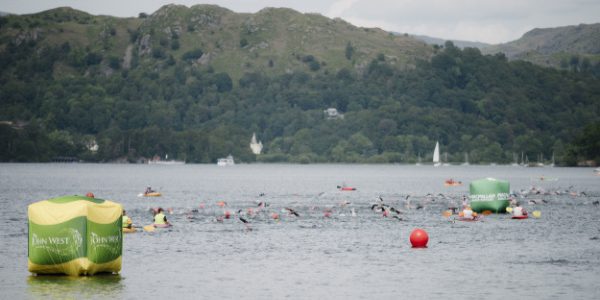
<point>196,83</point>
<point>568,47</point>
<point>273,41</point>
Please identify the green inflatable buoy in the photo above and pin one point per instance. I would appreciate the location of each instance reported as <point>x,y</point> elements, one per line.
<point>75,235</point>
<point>489,194</point>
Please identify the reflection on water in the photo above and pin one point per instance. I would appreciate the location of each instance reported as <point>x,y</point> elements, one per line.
<point>72,287</point>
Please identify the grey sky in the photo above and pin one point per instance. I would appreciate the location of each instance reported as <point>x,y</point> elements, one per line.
<point>490,21</point>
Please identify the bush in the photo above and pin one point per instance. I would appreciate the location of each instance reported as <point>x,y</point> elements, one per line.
<point>158,53</point>
<point>243,43</point>
<point>192,54</point>
<point>174,44</point>
<point>314,65</point>
<point>92,59</point>
<point>114,62</point>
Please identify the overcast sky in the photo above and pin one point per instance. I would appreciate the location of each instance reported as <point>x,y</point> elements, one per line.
<point>489,21</point>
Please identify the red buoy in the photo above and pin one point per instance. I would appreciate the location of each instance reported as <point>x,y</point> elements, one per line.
<point>90,195</point>
<point>419,238</point>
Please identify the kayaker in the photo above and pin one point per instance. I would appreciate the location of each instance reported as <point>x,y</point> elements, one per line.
<point>126,221</point>
<point>148,190</point>
<point>519,211</point>
<point>160,218</point>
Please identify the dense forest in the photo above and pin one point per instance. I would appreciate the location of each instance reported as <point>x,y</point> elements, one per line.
<point>480,106</point>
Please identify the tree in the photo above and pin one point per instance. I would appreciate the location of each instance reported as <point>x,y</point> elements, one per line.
<point>349,51</point>
<point>175,44</point>
<point>223,82</point>
<point>586,145</point>
<point>192,54</point>
<point>243,42</point>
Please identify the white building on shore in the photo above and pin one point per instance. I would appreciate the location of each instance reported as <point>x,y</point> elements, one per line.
<point>254,146</point>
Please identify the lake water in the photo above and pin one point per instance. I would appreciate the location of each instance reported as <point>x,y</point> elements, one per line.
<point>366,256</point>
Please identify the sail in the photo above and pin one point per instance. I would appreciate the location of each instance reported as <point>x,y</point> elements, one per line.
<point>436,153</point>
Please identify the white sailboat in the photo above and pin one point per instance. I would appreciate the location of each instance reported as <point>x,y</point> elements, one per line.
<point>436,155</point>
<point>418,159</point>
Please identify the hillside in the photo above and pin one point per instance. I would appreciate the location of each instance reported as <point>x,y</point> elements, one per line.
<point>196,83</point>
<point>273,40</point>
<point>458,43</point>
<point>556,47</point>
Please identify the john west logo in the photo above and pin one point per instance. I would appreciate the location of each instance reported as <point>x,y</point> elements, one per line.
<point>66,242</point>
<point>107,244</point>
<point>110,239</point>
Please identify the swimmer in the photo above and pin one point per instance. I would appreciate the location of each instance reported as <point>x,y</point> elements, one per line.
<point>519,211</point>
<point>292,212</point>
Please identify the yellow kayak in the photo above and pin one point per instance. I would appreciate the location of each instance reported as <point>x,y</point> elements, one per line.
<point>154,194</point>
<point>129,230</point>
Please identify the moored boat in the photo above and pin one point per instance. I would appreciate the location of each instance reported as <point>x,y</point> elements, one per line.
<point>227,161</point>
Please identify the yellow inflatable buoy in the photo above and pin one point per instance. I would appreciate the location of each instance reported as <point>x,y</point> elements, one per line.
<point>509,209</point>
<point>536,213</point>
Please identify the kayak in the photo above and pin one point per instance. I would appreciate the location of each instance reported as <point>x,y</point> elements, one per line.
<point>161,225</point>
<point>520,217</point>
<point>152,227</point>
<point>468,219</point>
<point>345,188</point>
<point>545,179</point>
<point>452,183</point>
<point>129,230</point>
<point>153,194</point>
